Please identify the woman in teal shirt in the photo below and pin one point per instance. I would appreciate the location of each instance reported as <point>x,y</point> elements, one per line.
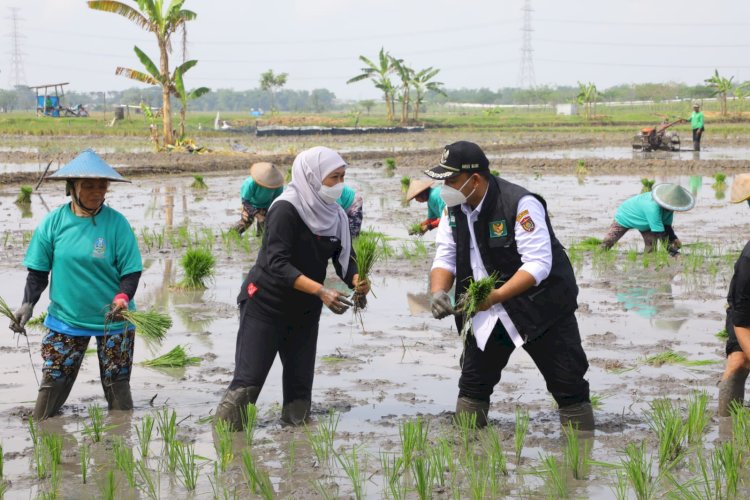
<point>92,254</point>
<point>423,191</point>
<point>352,203</point>
<point>264,185</point>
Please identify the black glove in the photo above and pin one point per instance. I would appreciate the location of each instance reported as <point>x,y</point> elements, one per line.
<point>441,305</point>
<point>22,315</point>
<point>334,300</point>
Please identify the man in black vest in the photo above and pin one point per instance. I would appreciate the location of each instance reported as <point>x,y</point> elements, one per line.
<point>493,227</point>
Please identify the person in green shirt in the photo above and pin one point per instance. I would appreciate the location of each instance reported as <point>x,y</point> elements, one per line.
<point>95,265</point>
<point>696,123</point>
<point>651,213</point>
<point>352,203</point>
<point>258,191</point>
<point>424,192</point>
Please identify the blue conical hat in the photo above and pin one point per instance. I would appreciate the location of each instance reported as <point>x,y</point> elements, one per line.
<point>87,165</point>
<point>673,197</point>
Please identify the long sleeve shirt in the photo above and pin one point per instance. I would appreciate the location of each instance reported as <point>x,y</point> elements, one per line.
<point>739,291</point>
<point>641,212</point>
<point>535,249</point>
<point>696,120</point>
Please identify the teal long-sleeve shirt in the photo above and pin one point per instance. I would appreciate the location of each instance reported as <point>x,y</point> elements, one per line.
<point>258,196</point>
<point>641,212</point>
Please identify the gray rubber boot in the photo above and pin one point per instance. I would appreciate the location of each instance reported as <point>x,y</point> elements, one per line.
<point>233,405</point>
<point>52,395</point>
<point>296,413</point>
<point>476,407</point>
<point>118,395</point>
<point>579,415</point>
<point>731,389</point>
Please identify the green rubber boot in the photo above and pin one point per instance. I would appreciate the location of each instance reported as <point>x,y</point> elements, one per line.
<point>731,389</point>
<point>51,396</point>
<point>579,415</point>
<point>233,405</point>
<point>118,395</point>
<point>296,413</point>
<point>469,406</point>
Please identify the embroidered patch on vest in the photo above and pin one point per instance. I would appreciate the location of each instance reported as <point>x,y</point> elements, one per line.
<point>522,215</point>
<point>498,229</point>
<point>527,223</point>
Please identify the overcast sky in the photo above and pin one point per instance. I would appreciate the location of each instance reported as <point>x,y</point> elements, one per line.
<point>475,43</point>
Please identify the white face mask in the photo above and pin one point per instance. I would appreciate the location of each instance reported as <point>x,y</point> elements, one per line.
<point>331,193</point>
<point>452,196</point>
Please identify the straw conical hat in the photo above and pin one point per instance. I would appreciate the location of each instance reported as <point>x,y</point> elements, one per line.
<point>740,188</point>
<point>87,165</point>
<point>673,197</point>
<point>416,186</point>
<point>267,175</point>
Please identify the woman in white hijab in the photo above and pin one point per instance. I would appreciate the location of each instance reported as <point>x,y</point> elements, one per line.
<point>283,294</point>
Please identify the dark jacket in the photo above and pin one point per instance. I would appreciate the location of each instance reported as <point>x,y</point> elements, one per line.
<point>738,297</point>
<point>290,249</point>
<point>536,310</point>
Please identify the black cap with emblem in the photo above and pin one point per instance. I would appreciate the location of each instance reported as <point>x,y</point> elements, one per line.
<point>461,156</point>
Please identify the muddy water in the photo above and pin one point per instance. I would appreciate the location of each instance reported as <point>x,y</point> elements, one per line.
<point>620,153</point>
<point>406,363</point>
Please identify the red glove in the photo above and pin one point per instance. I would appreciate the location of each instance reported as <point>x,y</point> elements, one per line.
<point>121,301</point>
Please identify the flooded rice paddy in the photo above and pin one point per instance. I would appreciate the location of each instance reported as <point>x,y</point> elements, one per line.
<point>377,392</point>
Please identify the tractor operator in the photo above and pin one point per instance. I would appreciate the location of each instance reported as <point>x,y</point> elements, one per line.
<point>696,123</point>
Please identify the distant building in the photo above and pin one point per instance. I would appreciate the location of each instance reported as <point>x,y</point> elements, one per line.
<point>567,109</point>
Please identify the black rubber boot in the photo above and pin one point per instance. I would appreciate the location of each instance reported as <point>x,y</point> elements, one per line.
<point>233,405</point>
<point>579,415</point>
<point>731,389</point>
<point>296,413</point>
<point>476,407</point>
<point>118,395</point>
<point>52,395</point>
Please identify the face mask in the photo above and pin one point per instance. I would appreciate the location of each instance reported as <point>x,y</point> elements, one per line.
<point>331,193</point>
<point>452,196</point>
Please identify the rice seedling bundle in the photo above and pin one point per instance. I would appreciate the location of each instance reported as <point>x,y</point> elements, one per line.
<point>6,311</point>
<point>198,182</point>
<point>720,178</point>
<point>647,184</point>
<point>151,325</point>
<point>176,358</point>
<point>369,248</point>
<point>415,228</point>
<point>390,164</point>
<point>405,182</point>
<point>198,264</point>
<point>469,302</point>
<point>24,196</point>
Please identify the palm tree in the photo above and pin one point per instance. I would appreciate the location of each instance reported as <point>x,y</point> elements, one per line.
<point>421,82</point>
<point>269,82</point>
<point>151,16</point>
<point>587,94</point>
<point>379,74</point>
<point>722,86</point>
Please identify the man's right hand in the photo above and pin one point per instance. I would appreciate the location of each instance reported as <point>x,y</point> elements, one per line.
<point>441,305</point>
<point>334,300</point>
<point>22,315</point>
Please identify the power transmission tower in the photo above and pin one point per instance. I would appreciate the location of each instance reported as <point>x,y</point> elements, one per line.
<point>17,76</point>
<point>526,77</point>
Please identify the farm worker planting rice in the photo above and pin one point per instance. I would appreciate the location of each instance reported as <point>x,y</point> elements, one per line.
<point>93,256</point>
<point>426,192</point>
<point>732,385</point>
<point>282,296</point>
<point>264,185</point>
<point>352,203</point>
<point>496,228</point>
<point>651,213</point>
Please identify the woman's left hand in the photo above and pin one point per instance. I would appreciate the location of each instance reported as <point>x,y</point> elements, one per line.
<point>361,287</point>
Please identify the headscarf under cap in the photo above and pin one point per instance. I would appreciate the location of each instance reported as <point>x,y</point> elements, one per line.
<point>308,171</point>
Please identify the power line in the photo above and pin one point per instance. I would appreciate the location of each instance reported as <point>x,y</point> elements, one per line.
<point>656,24</point>
<point>526,78</point>
<point>17,75</point>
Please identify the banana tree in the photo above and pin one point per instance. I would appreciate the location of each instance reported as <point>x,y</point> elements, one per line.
<point>183,95</point>
<point>587,94</point>
<point>721,87</point>
<point>742,92</point>
<point>152,16</point>
<point>422,83</point>
<point>405,74</point>
<point>379,74</point>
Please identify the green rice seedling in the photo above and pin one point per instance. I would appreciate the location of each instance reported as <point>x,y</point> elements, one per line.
<point>198,266</point>
<point>469,301</point>
<point>476,469</point>
<point>620,488</point>
<point>521,430</point>
<point>368,249</point>
<point>325,490</point>
<point>415,228</point>
<point>440,459</point>
<point>413,434</point>
<point>223,444</point>
<point>740,425</point>
<point>597,401</point>
<point>586,244</point>
<point>249,420</point>
<point>392,467</point>
<point>145,431</point>
<point>673,358</point>
<point>556,478</point>
<point>423,475</point>
<point>722,334</point>
<point>495,173</point>
<point>53,444</point>
<point>720,179</point>
<point>354,471</point>
<point>291,456</point>
<point>257,479</point>
<point>665,419</point>
<point>148,484</point>
<point>731,461</point>
<point>198,182</point>
<point>151,325</point>
<point>85,460</point>
<point>638,471</point>
<point>41,461</point>
<point>186,465</point>
<point>698,416</point>
<point>581,169</point>
<point>2,462</point>
<point>405,183</point>
<point>707,484</point>
<point>467,426</point>
<point>288,176</point>
<point>6,311</point>
<point>176,358</point>
<point>647,185</point>
<point>37,322</point>
<point>148,240</point>
<point>108,488</point>
<point>497,463</point>
<point>321,441</point>
<point>576,452</point>
<point>96,428</point>
<point>166,423</point>
<point>390,164</point>
<point>124,460</point>
<point>24,195</point>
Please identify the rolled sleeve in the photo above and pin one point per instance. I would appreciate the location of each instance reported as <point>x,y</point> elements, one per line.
<point>445,247</point>
<point>532,238</point>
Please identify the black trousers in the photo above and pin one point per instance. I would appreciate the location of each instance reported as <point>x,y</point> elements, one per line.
<point>697,133</point>
<point>558,354</point>
<point>260,338</point>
